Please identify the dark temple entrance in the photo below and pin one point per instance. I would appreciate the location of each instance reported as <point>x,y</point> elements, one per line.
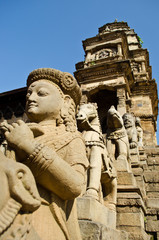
<point>104,99</point>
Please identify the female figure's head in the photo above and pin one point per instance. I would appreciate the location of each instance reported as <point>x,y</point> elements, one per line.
<point>52,95</point>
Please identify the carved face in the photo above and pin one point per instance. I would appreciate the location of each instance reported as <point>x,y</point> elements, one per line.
<point>114,120</point>
<point>86,112</point>
<point>43,101</point>
<point>128,120</point>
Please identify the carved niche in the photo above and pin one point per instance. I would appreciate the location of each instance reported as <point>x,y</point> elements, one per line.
<point>105,53</point>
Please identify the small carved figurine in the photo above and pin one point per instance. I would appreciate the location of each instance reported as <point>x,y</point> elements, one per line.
<point>101,169</point>
<point>129,124</point>
<point>117,140</point>
<point>53,149</point>
<point>139,132</point>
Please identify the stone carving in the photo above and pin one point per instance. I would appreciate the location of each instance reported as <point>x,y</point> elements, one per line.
<point>136,67</point>
<point>101,54</point>
<point>105,53</point>
<point>18,193</point>
<point>53,149</point>
<point>117,140</point>
<point>139,132</point>
<point>101,169</point>
<point>107,29</point>
<point>129,124</point>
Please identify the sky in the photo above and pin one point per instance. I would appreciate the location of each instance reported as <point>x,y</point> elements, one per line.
<point>49,33</point>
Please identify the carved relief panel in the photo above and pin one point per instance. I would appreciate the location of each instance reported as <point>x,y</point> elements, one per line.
<point>101,54</point>
<point>105,53</point>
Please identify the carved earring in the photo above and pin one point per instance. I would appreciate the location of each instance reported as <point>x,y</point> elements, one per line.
<point>65,107</point>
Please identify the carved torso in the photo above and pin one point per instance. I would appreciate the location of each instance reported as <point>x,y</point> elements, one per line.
<point>69,147</point>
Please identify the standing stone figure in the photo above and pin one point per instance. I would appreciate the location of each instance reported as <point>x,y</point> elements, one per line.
<point>129,124</point>
<point>53,149</point>
<point>139,132</point>
<point>117,140</point>
<point>101,170</point>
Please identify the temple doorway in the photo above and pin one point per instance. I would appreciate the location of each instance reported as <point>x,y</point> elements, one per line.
<point>104,99</point>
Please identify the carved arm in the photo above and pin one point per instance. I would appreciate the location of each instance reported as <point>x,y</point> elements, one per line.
<point>57,175</point>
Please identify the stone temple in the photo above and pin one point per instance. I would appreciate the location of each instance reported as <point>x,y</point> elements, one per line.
<point>117,120</point>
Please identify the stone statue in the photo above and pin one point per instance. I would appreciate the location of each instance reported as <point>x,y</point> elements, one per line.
<point>139,132</point>
<point>50,145</point>
<point>101,169</point>
<point>129,124</point>
<point>117,140</point>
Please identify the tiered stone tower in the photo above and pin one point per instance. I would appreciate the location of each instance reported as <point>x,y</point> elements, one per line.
<point>116,69</point>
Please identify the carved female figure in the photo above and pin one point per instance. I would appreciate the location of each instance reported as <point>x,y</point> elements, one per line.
<point>53,149</point>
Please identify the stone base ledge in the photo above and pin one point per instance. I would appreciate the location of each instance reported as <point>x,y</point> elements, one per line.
<point>135,233</point>
<point>95,231</point>
<point>126,178</point>
<point>130,199</point>
<point>152,225</point>
<point>128,188</point>
<point>130,219</point>
<point>91,210</point>
<point>152,203</point>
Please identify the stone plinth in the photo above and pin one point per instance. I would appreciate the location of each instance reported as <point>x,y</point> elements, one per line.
<point>138,173</point>
<point>94,231</point>
<point>134,155</point>
<point>97,222</point>
<point>152,203</point>
<point>122,165</point>
<point>152,225</point>
<point>91,210</point>
<point>130,213</point>
<point>126,178</point>
<point>142,155</point>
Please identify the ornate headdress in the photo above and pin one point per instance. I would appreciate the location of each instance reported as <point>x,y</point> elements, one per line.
<point>64,80</point>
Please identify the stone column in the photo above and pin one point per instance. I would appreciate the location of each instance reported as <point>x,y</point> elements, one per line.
<point>119,50</point>
<point>143,67</point>
<point>88,56</point>
<point>84,98</point>
<point>121,107</point>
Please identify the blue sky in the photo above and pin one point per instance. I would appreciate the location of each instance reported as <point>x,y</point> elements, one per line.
<point>49,33</point>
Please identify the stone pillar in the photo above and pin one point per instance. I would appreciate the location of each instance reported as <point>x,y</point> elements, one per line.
<point>88,56</point>
<point>84,98</point>
<point>119,50</point>
<point>121,107</point>
<point>143,67</point>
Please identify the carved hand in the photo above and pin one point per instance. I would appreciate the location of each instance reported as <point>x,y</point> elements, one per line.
<point>19,136</point>
<point>133,145</point>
